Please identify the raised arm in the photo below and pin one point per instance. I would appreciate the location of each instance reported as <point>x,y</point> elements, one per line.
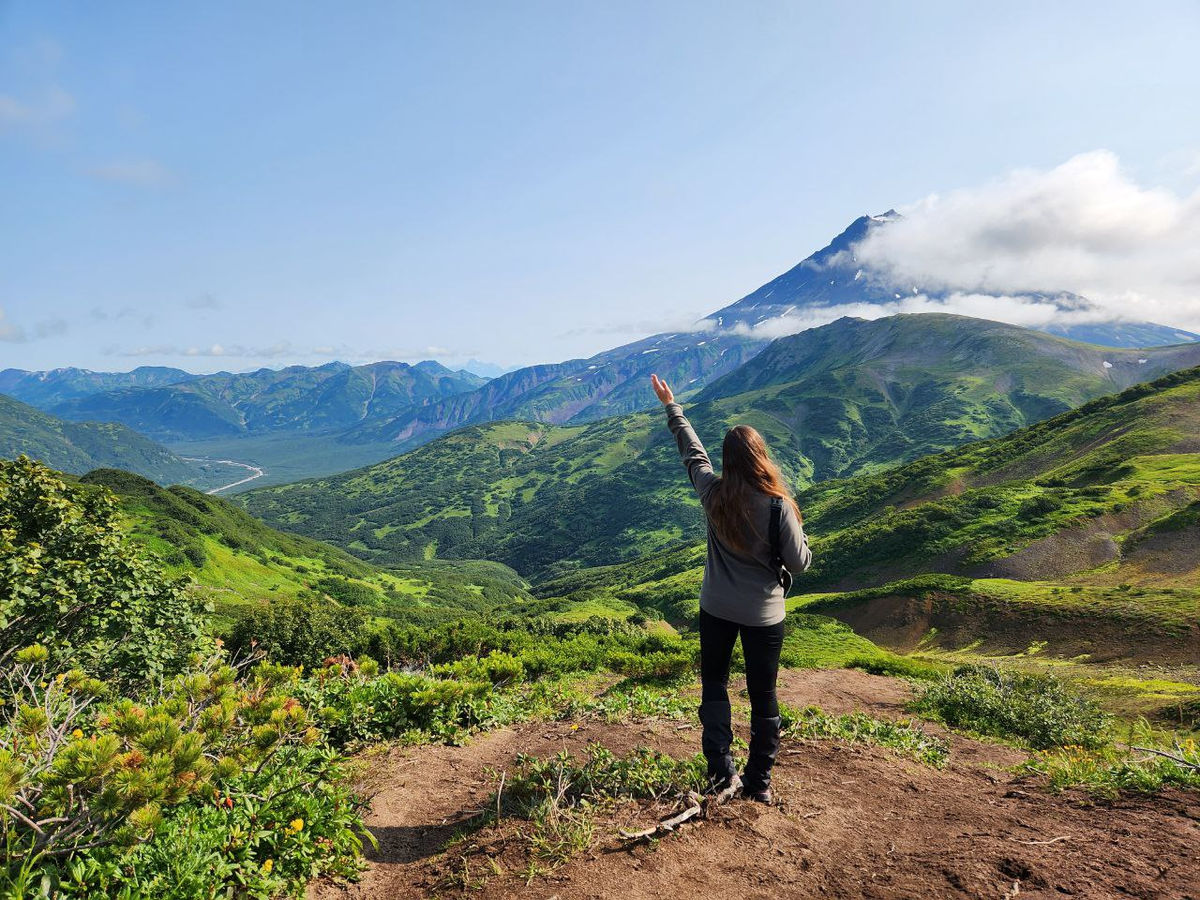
<point>695,457</point>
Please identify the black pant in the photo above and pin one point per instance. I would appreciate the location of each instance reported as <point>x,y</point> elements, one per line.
<point>761,645</point>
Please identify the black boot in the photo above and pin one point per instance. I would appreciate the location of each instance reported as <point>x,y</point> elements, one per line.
<point>764,746</point>
<point>716,740</point>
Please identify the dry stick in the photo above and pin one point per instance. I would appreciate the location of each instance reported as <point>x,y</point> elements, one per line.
<point>1171,756</point>
<point>667,825</point>
<point>500,793</point>
<point>1065,837</point>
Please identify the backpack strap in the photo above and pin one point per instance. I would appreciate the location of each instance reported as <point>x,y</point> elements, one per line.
<point>781,572</point>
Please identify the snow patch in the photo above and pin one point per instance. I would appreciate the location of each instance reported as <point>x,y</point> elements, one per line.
<point>1107,364</point>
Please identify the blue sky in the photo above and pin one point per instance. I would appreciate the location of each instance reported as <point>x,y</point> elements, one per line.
<point>228,185</point>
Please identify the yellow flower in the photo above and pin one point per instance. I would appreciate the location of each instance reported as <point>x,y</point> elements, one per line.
<point>77,733</point>
<point>268,866</point>
<point>296,824</point>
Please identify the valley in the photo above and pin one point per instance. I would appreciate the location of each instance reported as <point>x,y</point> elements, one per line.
<point>437,634</point>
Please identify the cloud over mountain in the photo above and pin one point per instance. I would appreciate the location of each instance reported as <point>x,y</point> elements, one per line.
<point>1085,227</point>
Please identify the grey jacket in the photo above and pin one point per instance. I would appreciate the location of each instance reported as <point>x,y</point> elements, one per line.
<point>737,587</point>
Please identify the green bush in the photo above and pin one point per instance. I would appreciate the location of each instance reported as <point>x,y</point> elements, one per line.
<point>906,738</point>
<point>898,666</point>
<point>347,592</point>
<point>1038,709</point>
<point>73,581</point>
<point>299,631</point>
<point>88,785</point>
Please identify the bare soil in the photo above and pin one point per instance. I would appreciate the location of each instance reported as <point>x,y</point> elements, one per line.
<point>849,821</point>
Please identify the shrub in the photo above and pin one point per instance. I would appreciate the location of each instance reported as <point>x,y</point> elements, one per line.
<point>1038,709</point>
<point>898,666</point>
<point>302,630</point>
<point>906,738</point>
<point>347,592</point>
<point>85,783</point>
<point>72,581</point>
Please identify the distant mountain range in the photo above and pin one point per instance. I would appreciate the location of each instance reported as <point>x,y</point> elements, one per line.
<point>300,399</point>
<point>850,397</point>
<point>834,278</point>
<point>374,411</point>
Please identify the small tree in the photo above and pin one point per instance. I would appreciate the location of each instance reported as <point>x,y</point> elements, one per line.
<point>72,581</point>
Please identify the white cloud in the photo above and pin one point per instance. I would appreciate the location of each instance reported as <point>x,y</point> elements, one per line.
<point>9,332</point>
<point>139,173</point>
<point>45,108</point>
<point>46,328</point>
<point>1084,227</point>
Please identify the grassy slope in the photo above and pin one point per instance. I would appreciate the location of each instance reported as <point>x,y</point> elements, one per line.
<point>77,447</point>
<point>849,397</point>
<point>236,560</point>
<point>983,541</point>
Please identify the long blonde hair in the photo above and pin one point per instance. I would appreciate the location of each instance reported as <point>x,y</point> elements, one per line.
<point>746,468</point>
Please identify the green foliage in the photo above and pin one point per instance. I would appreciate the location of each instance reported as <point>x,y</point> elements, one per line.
<point>89,783</point>
<point>347,592</point>
<point>297,631</point>
<point>985,501</point>
<point>1110,771</point>
<point>543,646</point>
<point>72,580</point>
<point>644,774</point>
<point>906,738</point>
<point>898,666</point>
<point>1036,709</point>
<point>542,497</point>
<point>78,447</point>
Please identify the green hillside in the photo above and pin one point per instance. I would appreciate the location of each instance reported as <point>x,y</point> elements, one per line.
<point>236,561</point>
<point>1077,537</point>
<point>849,397</point>
<point>78,447</point>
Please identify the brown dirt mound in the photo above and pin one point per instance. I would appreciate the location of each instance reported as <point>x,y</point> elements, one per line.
<point>851,821</point>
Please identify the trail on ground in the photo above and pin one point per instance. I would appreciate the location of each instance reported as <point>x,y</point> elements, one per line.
<point>851,821</point>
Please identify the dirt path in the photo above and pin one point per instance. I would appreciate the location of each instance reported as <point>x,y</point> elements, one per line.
<point>852,821</point>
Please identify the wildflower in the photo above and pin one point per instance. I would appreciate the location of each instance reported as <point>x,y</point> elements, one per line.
<point>268,866</point>
<point>296,824</point>
<point>77,733</point>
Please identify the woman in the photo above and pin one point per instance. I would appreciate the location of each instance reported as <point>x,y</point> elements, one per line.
<point>742,592</point>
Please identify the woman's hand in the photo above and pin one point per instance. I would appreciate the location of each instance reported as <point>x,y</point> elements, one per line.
<point>660,388</point>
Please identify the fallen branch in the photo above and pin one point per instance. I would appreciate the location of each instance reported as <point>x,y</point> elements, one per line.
<point>1065,837</point>
<point>668,825</point>
<point>726,794</point>
<point>1170,756</point>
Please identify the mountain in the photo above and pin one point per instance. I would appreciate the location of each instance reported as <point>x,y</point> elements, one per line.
<point>299,399</point>
<point>78,447</point>
<point>852,396</point>
<point>579,390</point>
<point>833,279</point>
<point>48,389</point>
<point>236,561</point>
